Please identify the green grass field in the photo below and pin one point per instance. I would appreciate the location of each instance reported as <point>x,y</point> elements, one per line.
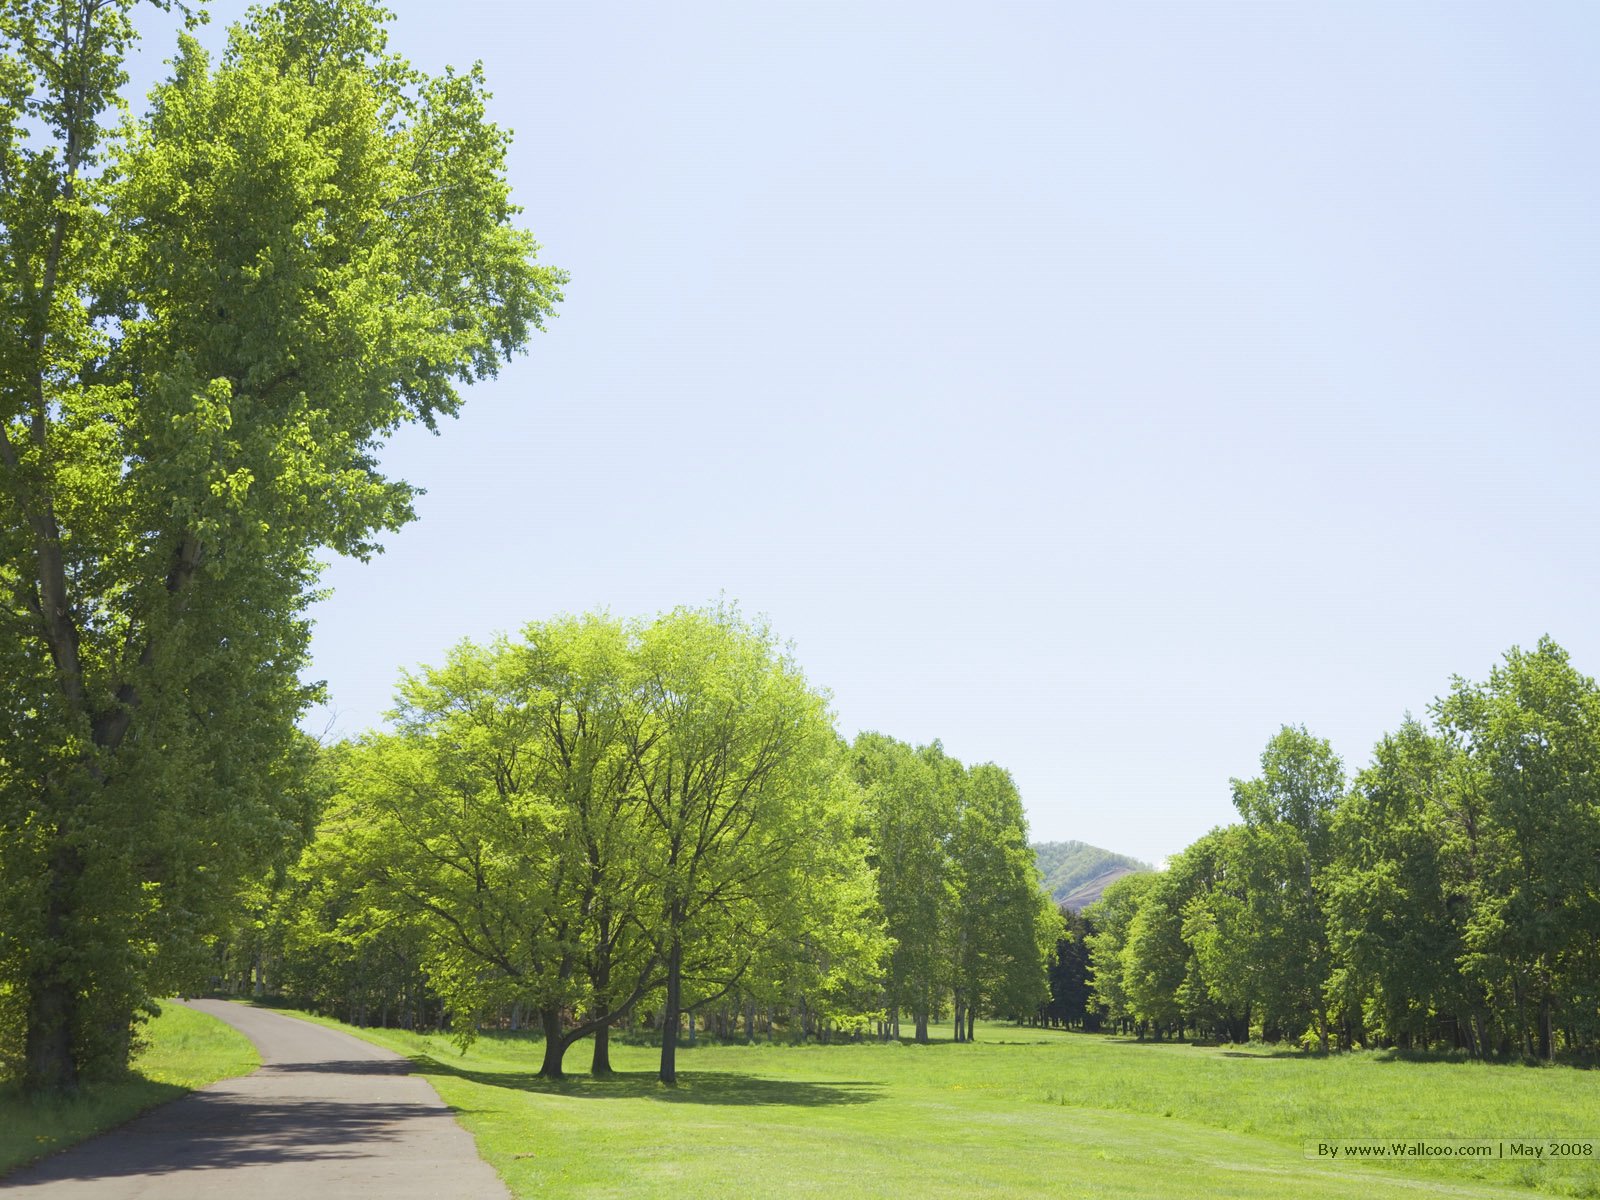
<point>186,1050</point>
<point>1021,1113</point>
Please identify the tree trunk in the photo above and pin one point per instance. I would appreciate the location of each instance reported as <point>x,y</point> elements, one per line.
<point>972,1016</point>
<point>961,1017</point>
<point>922,1027</point>
<point>52,1012</point>
<point>672,1014</point>
<point>53,1001</point>
<point>554,1051</point>
<point>601,1063</point>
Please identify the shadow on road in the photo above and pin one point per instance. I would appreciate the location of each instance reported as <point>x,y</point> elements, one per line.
<point>210,1131</point>
<point>352,1066</point>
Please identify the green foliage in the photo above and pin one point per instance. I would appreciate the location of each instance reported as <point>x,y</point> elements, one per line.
<point>214,315</point>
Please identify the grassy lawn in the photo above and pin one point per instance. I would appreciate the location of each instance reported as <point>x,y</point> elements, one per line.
<point>186,1050</point>
<point>1021,1113</point>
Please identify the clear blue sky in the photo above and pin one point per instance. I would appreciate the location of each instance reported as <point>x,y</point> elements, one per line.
<point>1094,387</point>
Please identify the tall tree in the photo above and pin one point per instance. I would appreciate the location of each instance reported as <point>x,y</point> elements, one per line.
<point>1113,916</point>
<point>1400,890</point>
<point>1532,731</point>
<point>734,751</point>
<point>504,814</point>
<point>1224,979</point>
<point>212,318</point>
<point>1288,813</point>
<point>1004,925</point>
<point>910,816</point>
<point>1170,980</point>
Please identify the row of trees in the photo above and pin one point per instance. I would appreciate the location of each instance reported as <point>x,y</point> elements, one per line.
<point>958,885</point>
<point>1448,897</point>
<point>211,316</point>
<point>604,817</point>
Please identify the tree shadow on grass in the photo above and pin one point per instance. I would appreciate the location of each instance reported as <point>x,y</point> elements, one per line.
<point>1446,1058</point>
<point>1256,1049</point>
<point>694,1087</point>
<point>1269,1055</point>
<point>1451,1058</point>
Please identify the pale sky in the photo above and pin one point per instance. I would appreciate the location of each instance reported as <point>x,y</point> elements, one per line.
<point>1094,387</point>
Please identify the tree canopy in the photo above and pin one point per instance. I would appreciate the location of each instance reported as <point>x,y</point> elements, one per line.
<point>603,811</point>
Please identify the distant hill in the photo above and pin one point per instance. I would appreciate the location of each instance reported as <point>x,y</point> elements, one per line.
<point>1075,873</point>
<point>1086,894</point>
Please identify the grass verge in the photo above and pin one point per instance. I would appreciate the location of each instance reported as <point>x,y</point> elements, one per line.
<point>1020,1113</point>
<point>185,1050</point>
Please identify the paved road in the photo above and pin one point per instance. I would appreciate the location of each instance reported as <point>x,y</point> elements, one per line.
<point>326,1116</point>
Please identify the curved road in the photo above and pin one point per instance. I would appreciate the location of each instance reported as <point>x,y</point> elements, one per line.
<point>327,1115</point>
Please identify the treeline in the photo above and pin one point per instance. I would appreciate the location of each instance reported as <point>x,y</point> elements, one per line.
<point>1448,897</point>
<point>608,823</point>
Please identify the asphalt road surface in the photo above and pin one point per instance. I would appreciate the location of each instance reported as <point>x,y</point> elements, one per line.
<point>327,1116</point>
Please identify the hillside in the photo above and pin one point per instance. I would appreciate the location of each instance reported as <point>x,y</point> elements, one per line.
<point>1075,873</point>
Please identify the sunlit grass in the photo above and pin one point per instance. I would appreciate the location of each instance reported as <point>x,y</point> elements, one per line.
<point>1021,1113</point>
<point>186,1050</point>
